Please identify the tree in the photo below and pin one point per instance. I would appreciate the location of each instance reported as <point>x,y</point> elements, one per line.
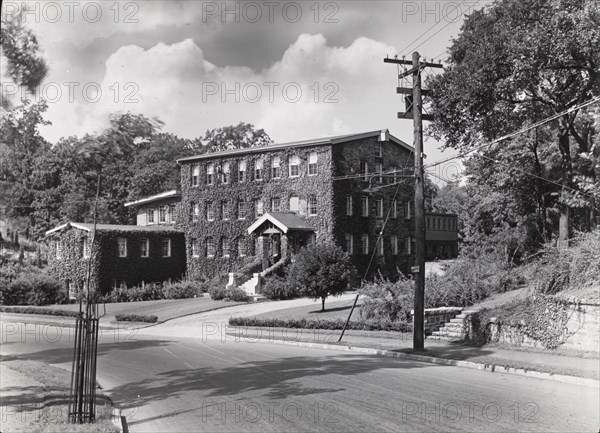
<point>321,270</point>
<point>513,64</point>
<point>239,136</point>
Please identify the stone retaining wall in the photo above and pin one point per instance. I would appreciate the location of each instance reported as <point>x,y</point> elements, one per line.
<point>435,318</point>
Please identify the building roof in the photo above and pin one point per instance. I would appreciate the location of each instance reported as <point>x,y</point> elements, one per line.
<point>383,135</point>
<point>283,221</point>
<point>169,194</point>
<point>114,227</point>
<point>441,214</point>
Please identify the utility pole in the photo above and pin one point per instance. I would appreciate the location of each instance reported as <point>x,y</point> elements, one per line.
<point>414,106</point>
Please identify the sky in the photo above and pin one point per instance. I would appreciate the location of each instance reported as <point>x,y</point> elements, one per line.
<point>299,70</point>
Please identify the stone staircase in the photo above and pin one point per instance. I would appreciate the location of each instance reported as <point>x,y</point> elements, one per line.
<point>454,330</point>
<point>250,287</point>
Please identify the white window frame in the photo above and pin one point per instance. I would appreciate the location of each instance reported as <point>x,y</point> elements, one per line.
<point>225,211</point>
<point>379,150</point>
<point>364,170</point>
<point>313,158</point>
<point>275,200</point>
<point>210,211</point>
<point>297,207</point>
<point>168,245</point>
<point>242,171</point>
<point>241,210</point>
<point>380,246</point>
<point>407,210</point>
<point>173,213</point>
<point>122,247</point>
<point>242,247</point>
<point>162,214</point>
<point>195,174</point>
<point>58,250</point>
<point>408,245</point>
<point>86,252</point>
<point>210,174</point>
<point>210,245</point>
<point>379,170</point>
<point>276,167</point>
<point>225,173</point>
<point>379,211</point>
<point>294,163</point>
<point>312,210</point>
<point>364,244</point>
<point>394,240</point>
<point>195,248</point>
<point>145,247</point>
<point>225,247</point>
<point>195,212</point>
<point>258,169</point>
<point>350,243</point>
<point>395,208</point>
<point>150,216</point>
<point>364,206</point>
<point>259,208</point>
<point>349,205</point>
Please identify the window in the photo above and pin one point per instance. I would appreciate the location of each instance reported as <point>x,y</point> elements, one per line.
<point>364,206</point>
<point>379,170</point>
<point>166,247</point>
<point>173,212</point>
<point>210,174</point>
<point>394,209</point>
<point>241,247</point>
<point>294,166</point>
<point>275,204</point>
<point>86,248</point>
<point>210,248</point>
<point>276,167</point>
<point>312,204</point>
<point>294,203</point>
<point>225,246</point>
<point>72,290</point>
<point>119,284</point>
<point>258,169</point>
<point>145,248</point>
<point>365,244</point>
<point>195,211</point>
<point>379,149</point>
<point>225,210</point>
<point>349,205</point>
<point>242,171</point>
<point>225,175</point>
<point>195,174</point>
<point>394,240</point>
<point>150,213</point>
<point>407,210</point>
<point>408,245</point>
<point>59,249</point>
<point>162,214</point>
<point>312,164</point>
<point>379,208</point>
<point>241,210</point>
<point>122,242</point>
<point>395,172</point>
<point>350,243</point>
<point>364,170</point>
<point>380,246</point>
<point>210,212</point>
<point>258,208</point>
<point>195,248</point>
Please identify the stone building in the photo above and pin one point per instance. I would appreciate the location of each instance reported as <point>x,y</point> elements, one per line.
<point>260,204</point>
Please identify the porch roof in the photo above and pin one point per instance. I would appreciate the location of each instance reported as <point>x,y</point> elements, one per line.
<point>283,221</point>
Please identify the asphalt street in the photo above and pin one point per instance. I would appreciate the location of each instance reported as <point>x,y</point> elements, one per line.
<point>222,385</point>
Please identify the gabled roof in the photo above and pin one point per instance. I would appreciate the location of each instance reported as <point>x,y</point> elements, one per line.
<point>383,135</point>
<point>283,221</point>
<point>169,194</point>
<point>114,227</point>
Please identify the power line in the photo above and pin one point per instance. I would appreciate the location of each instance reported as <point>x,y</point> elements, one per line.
<point>519,132</point>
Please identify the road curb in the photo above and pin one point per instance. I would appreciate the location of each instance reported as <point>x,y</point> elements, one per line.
<point>492,368</point>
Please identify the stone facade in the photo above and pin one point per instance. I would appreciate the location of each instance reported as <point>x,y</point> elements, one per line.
<point>313,180</point>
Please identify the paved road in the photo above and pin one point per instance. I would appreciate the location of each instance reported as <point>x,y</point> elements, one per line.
<point>187,384</point>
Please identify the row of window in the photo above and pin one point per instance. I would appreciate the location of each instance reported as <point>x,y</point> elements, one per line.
<point>379,208</point>
<point>380,244</point>
<point>85,249</point>
<point>166,214</point>
<point>224,172</point>
<point>144,247</point>
<point>241,247</point>
<point>238,209</point>
<point>441,223</point>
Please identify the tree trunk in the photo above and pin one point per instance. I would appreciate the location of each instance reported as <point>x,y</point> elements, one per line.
<point>322,304</point>
<point>567,182</point>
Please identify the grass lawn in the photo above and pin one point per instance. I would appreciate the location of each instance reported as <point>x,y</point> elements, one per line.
<point>165,309</point>
<point>333,310</point>
<point>35,399</point>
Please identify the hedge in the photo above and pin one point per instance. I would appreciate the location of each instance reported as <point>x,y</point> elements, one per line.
<point>126,317</point>
<point>33,310</point>
<point>321,324</point>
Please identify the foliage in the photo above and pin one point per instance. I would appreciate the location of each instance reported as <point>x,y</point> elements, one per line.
<point>126,317</point>
<point>218,293</point>
<point>387,300</point>
<point>183,290</point>
<point>321,270</point>
<point>241,135</point>
<point>32,289</point>
<point>572,268</point>
<point>366,325</point>
<point>277,287</point>
<point>36,310</point>
<point>156,291</point>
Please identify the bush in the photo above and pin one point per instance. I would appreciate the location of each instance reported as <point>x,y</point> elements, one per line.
<point>34,310</point>
<point>126,317</point>
<point>183,290</point>
<point>336,324</point>
<point>32,289</point>
<point>387,301</point>
<point>149,292</point>
<point>219,293</point>
<point>277,287</point>
<point>321,270</point>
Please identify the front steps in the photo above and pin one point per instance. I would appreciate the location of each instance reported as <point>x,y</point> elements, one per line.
<point>456,329</point>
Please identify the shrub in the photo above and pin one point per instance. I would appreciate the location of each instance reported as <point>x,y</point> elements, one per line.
<point>126,317</point>
<point>277,287</point>
<point>321,270</point>
<point>336,324</point>
<point>386,300</point>
<point>221,293</point>
<point>32,289</point>
<point>148,292</point>
<point>35,310</point>
<point>183,290</point>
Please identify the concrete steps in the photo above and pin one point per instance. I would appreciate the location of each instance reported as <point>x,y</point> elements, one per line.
<point>455,329</point>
